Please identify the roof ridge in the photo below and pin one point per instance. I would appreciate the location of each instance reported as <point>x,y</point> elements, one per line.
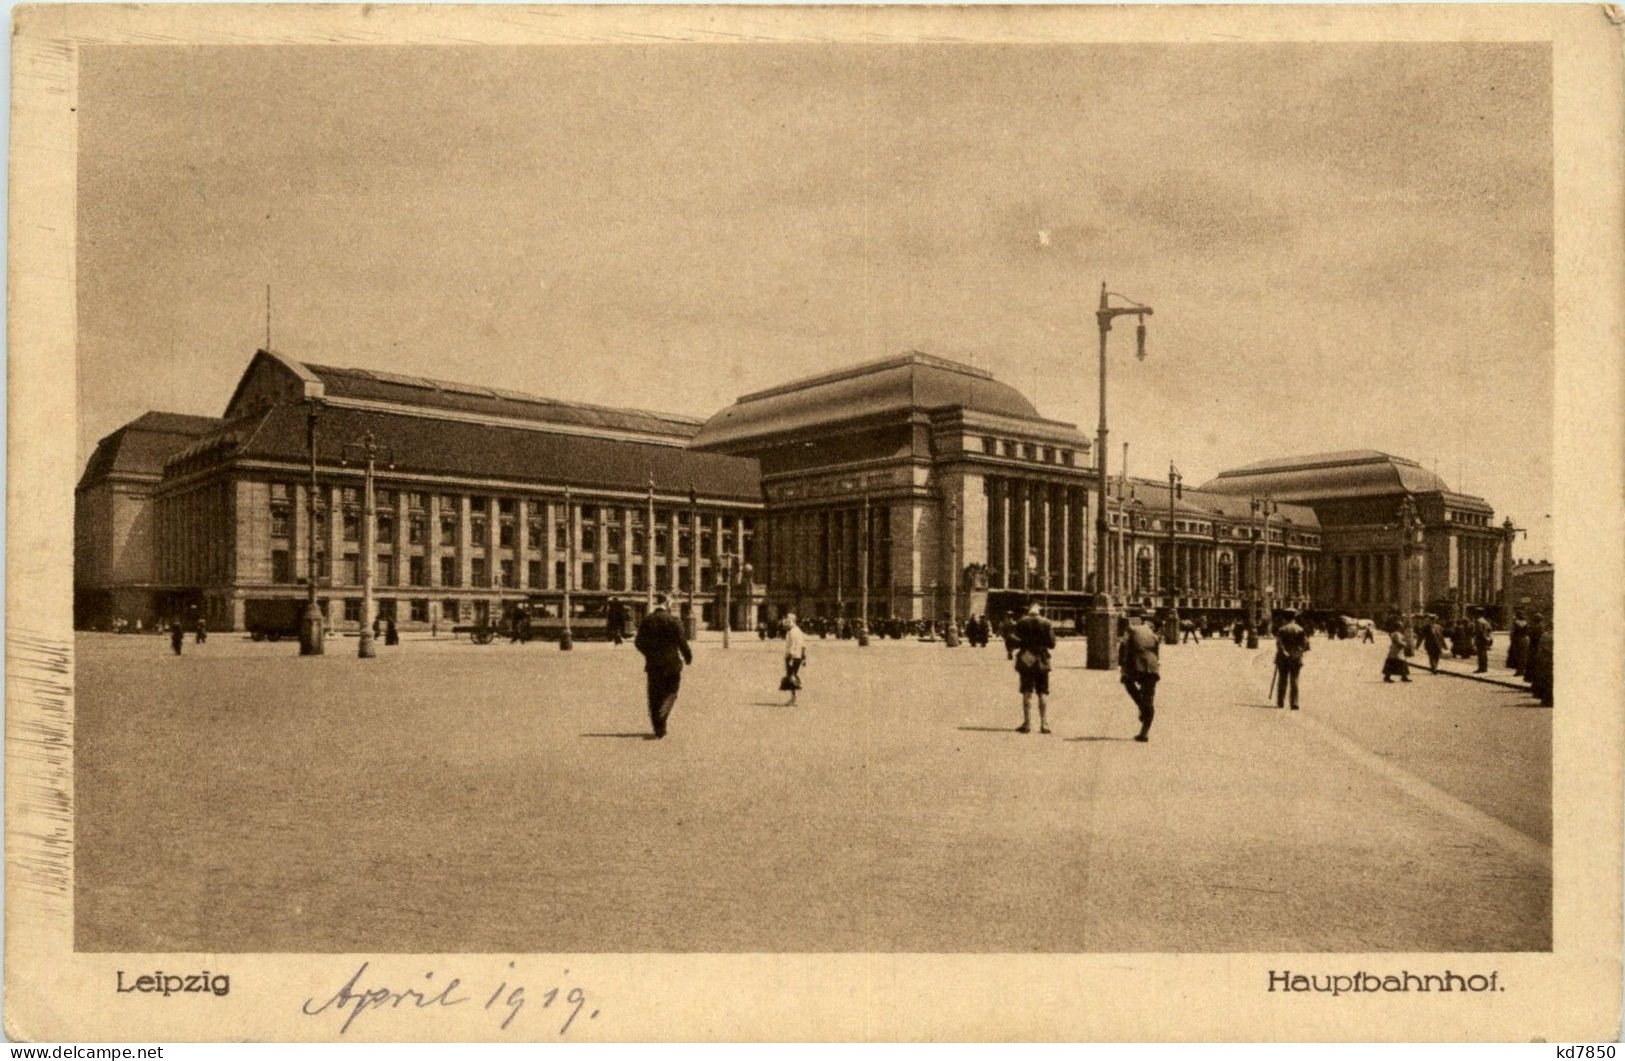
<point>863,368</point>
<point>481,390</point>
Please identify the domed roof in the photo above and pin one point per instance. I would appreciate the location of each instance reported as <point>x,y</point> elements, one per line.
<point>896,384</point>
<point>1325,476</point>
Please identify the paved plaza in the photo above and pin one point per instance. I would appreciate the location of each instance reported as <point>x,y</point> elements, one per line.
<point>448,796</point>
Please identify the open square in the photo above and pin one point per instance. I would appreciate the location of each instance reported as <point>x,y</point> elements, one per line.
<point>449,796</point>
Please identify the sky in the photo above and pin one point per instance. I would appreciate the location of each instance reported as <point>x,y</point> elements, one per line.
<point>1347,246</point>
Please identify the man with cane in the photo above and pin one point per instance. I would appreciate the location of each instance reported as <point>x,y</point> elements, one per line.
<point>1291,642</point>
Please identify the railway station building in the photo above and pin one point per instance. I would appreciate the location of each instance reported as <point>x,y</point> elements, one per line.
<point>914,486</point>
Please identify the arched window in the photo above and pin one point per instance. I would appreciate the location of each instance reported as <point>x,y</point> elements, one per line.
<point>1227,575</point>
<point>1142,570</point>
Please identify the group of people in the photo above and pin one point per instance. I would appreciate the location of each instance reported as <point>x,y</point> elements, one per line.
<point>1530,654</point>
<point>177,633</point>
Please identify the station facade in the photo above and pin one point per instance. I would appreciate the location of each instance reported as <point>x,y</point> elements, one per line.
<point>914,487</point>
<point>1396,537</point>
<point>485,500</point>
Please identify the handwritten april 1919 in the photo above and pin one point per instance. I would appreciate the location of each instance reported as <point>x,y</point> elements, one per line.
<point>432,993</point>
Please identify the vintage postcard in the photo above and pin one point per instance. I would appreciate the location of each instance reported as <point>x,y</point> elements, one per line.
<point>870,523</point>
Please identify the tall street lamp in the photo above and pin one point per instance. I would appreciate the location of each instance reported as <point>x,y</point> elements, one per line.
<point>567,636</point>
<point>1266,507</point>
<point>368,453</point>
<point>863,572</point>
<point>728,568</point>
<point>311,636</point>
<point>1102,620</point>
<point>950,636</point>
<point>691,620</point>
<point>1510,532</point>
<point>1176,490</point>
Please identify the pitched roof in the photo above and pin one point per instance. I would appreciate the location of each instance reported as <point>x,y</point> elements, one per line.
<point>908,382</point>
<point>1153,494</point>
<point>1330,476</point>
<point>431,394</point>
<point>433,446</point>
<point>142,446</point>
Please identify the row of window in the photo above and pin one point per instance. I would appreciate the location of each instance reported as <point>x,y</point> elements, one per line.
<point>1242,530</point>
<point>1032,451</point>
<point>481,573</point>
<point>1226,576</point>
<point>1471,519</point>
<point>417,525</point>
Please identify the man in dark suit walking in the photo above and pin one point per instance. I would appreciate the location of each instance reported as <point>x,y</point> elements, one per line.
<point>665,650</point>
<point>1139,658</point>
<point>615,620</point>
<point>1483,638</point>
<point>1291,642</point>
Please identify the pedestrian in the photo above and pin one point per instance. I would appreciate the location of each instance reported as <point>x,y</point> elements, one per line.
<point>1433,642</point>
<point>202,630</point>
<point>1398,648</point>
<point>177,635</point>
<point>1007,630</point>
<point>1291,642</point>
<point>1139,654</point>
<point>1537,633</point>
<point>615,618</point>
<point>392,636</point>
<point>1483,638</point>
<point>1518,643</point>
<point>1033,639</point>
<point>1238,631</point>
<point>377,626</point>
<point>665,649</point>
<point>434,627</point>
<point>1368,632</point>
<point>1539,669</point>
<point>795,657</point>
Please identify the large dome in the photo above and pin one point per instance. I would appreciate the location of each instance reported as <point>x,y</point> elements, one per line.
<point>1325,476</point>
<point>895,384</point>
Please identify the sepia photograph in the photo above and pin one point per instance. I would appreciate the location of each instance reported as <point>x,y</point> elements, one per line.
<point>889,493</point>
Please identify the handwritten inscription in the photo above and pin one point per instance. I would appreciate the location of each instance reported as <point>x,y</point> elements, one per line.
<point>360,994</point>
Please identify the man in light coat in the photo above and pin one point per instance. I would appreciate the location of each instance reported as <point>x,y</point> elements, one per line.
<point>795,657</point>
<point>1139,656</point>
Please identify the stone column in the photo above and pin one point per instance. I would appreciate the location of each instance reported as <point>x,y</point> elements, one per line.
<point>1026,532</point>
<point>521,543</point>
<point>465,534</point>
<point>403,545</point>
<point>431,546</point>
<point>1003,493</point>
<point>1066,538</point>
<point>1046,545</point>
<point>335,536</point>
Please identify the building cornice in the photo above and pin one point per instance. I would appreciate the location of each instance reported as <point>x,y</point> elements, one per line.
<point>426,412</point>
<point>455,484</point>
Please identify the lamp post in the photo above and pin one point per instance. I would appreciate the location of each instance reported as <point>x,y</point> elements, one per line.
<point>311,635</point>
<point>1510,531</point>
<point>1409,530</point>
<point>566,636</point>
<point>1103,613</point>
<point>649,553</point>
<point>368,453</point>
<point>1261,506</point>
<point>691,620</point>
<point>725,577</point>
<point>863,572</point>
<point>1170,628</point>
<point>950,636</point>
